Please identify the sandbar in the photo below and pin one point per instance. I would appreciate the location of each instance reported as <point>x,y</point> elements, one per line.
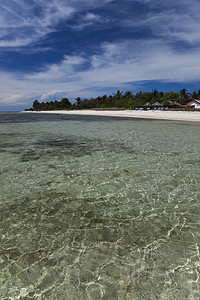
<point>149,114</point>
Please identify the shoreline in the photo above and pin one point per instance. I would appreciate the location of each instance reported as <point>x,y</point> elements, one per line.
<point>193,116</point>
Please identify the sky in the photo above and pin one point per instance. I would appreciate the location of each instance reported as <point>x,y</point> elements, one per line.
<point>87,48</point>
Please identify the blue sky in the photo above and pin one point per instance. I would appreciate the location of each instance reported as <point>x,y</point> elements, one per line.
<point>69,48</point>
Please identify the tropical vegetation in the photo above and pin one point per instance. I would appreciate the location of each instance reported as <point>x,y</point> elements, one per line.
<point>122,100</point>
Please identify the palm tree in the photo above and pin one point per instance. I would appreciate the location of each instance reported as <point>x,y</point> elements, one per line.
<point>78,101</point>
<point>128,94</point>
<point>184,96</point>
<point>118,95</point>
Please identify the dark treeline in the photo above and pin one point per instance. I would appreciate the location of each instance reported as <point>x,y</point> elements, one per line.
<point>120,100</point>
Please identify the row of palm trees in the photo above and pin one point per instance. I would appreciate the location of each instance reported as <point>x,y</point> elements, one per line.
<point>121,100</point>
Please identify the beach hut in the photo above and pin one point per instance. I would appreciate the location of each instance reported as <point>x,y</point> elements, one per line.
<point>157,105</point>
<point>194,103</point>
<point>147,105</point>
<point>176,104</point>
<point>172,104</point>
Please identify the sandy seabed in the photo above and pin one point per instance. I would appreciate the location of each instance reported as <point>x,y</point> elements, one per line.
<point>151,114</point>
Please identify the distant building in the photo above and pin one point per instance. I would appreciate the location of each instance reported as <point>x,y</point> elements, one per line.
<point>157,104</point>
<point>147,104</point>
<point>174,104</point>
<point>194,103</point>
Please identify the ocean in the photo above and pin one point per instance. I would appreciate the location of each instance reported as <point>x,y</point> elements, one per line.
<point>99,208</point>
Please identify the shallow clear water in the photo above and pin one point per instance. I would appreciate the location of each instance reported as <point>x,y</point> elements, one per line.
<point>98,208</point>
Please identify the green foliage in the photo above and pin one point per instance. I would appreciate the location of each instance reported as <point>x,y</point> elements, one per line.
<point>36,105</point>
<point>122,100</point>
<point>196,95</point>
<point>171,96</point>
<point>188,108</point>
<point>78,101</point>
<point>65,103</point>
<point>52,105</point>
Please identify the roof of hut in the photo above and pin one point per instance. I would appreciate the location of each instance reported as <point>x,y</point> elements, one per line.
<point>157,104</point>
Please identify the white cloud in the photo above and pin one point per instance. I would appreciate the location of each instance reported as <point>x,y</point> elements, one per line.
<point>143,60</point>
<point>13,100</point>
<point>22,22</point>
<point>58,72</point>
<point>168,20</point>
<point>53,94</point>
<point>160,58</point>
<point>174,26</point>
<point>25,22</point>
<point>118,64</point>
<point>89,19</point>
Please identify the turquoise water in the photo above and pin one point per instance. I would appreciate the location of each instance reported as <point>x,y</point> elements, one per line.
<point>99,208</point>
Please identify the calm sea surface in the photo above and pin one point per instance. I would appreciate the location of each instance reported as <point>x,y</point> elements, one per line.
<point>98,208</point>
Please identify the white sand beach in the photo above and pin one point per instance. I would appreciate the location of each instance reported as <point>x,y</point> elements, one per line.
<point>150,114</point>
